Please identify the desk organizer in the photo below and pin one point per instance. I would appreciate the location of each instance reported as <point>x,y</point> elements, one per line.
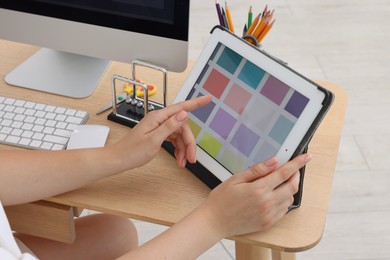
<point>133,109</point>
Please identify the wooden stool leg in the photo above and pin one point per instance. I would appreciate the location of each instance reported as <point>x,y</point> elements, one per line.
<point>247,252</point>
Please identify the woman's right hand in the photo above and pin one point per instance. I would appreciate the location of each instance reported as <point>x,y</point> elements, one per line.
<point>256,198</point>
<point>249,201</point>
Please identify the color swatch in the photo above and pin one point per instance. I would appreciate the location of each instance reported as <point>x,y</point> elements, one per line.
<point>250,115</point>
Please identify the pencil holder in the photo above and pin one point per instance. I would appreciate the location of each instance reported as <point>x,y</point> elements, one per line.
<point>250,37</point>
<point>132,111</point>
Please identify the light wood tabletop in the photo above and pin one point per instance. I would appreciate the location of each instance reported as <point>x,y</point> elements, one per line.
<point>162,193</point>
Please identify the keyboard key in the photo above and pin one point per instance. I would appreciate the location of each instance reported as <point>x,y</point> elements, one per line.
<point>9,115</point>
<point>60,110</point>
<point>29,104</point>
<point>39,106</point>
<point>24,141</point>
<point>38,136</point>
<point>50,115</point>
<point>9,108</point>
<point>27,126</point>
<point>46,145</point>
<point>29,112</point>
<point>9,101</point>
<point>37,128</point>
<point>70,112</point>
<point>19,103</point>
<point>40,113</point>
<point>40,121</point>
<point>63,133</point>
<point>61,125</point>
<point>49,108</point>
<point>35,143</point>
<point>12,139</point>
<point>27,134</point>
<point>55,139</point>
<point>50,123</point>
<point>60,117</point>
<point>71,127</point>
<point>17,132</point>
<point>17,124</point>
<point>30,119</point>
<point>57,147</point>
<point>48,130</point>
<point>81,114</point>
<point>73,120</point>
<point>6,122</point>
<point>6,130</point>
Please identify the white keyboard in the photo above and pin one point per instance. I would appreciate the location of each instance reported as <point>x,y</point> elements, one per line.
<point>37,126</point>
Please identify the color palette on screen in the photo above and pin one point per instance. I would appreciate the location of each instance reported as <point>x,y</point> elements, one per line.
<point>251,112</point>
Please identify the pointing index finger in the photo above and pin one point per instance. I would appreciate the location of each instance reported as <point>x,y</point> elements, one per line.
<point>188,105</point>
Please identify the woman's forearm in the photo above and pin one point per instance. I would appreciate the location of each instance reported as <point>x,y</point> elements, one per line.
<point>187,239</point>
<point>42,174</point>
<point>27,175</point>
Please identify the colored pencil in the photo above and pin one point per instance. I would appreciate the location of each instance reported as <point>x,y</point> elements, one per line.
<point>219,13</point>
<point>229,18</point>
<point>250,15</point>
<point>244,30</point>
<point>253,26</point>
<point>265,10</point>
<point>266,30</point>
<point>225,21</point>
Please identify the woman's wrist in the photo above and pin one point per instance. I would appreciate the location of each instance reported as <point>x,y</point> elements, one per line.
<point>212,220</point>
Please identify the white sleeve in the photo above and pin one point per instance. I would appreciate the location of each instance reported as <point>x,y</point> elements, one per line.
<point>6,255</point>
<point>9,250</point>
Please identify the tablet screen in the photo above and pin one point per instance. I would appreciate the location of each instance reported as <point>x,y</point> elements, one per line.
<point>251,112</point>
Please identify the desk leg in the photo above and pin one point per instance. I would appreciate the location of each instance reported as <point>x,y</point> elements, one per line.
<point>278,255</point>
<point>247,252</point>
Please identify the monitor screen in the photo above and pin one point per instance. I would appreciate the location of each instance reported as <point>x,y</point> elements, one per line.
<point>153,17</point>
<point>154,31</point>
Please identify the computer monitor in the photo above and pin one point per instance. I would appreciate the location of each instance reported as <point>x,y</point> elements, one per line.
<point>80,38</point>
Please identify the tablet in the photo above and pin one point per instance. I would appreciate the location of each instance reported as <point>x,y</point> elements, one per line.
<point>260,108</point>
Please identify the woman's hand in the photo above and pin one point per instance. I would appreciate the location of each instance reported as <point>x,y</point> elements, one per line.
<point>249,201</point>
<point>256,198</point>
<point>166,124</point>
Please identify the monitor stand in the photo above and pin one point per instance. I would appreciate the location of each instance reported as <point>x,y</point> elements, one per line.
<point>60,73</point>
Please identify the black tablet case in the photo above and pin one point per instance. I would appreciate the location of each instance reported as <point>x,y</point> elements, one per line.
<point>211,181</point>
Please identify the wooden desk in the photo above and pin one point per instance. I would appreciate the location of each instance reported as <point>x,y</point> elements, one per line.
<point>162,193</point>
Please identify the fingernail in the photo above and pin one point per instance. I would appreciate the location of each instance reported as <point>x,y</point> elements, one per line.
<point>184,162</point>
<point>307,158</point>
<point>270,162</point>
<point>181,116</point>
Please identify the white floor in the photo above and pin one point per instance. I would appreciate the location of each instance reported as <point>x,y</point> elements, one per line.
<point>346,42</point>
